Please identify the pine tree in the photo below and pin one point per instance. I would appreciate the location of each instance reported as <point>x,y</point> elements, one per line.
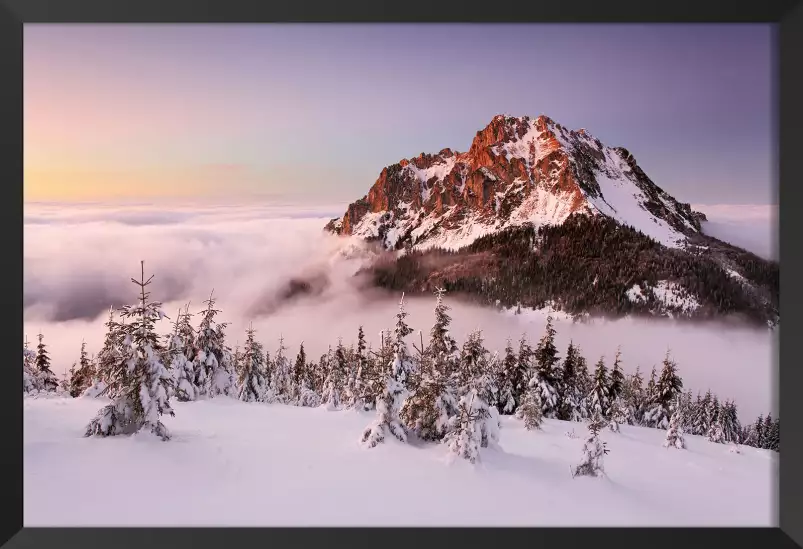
<point>651,387</point>
<point>29,379</point>
<point>774,438</point>
<point>584,385</point>
<point>464,438</point>
<point>442,347</point>
<point>635,396</point>
<point>524,370</point>
<point>405,367</point>
<point>47,379</point>
<point>252,380</point>
<point>335,384</point>
<point>756,435</point>
<point>599,398</point>
<point>180,352</point>
<point>617,378</point>
<point>771,432</point>
<point>531,410</point>
<point>665,392</point>
<point>472,356</point>
<point>697,419</point>
<point>546,376</point>
<point>669,384</point>
<point>715,431</point>
<point>82,376</point>
<point>729,421</point>
<point>505,381</point>
<point>212,362</point>
<point>428,411</point>
<point>674,433</point>
<point>620,414</point>
<point>393,391</point>
<point>362,374</point>
<point>594,450</point>
<point>281,380</point>
<point>144,384</point>
<point>109,363</point>
<point>571,405</point>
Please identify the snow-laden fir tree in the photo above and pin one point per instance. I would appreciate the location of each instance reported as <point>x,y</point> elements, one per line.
<point>687,408</point>
<point>47,379</point>
<point>668,387</point>
<point>674,433</point>
<point>598,398</point>
<point>64,382</point>
<point>299,371</point>
<point>617,378</point>
<point>755,436</point>
<point>546,378</point>
<point>585,384</point>
<point>81,374</point>
<point>635,396</point>
<point>281,381</point>
<point>406,365</point>
<point>393,391</point>
<point>442,346</point>
<point>696,420</point>
<point>594,450</point>
<point>465,434</point>
<point>427,413</point>
<point>524,370</point>
<point>473,361</point>
<point>729,421</point>
<point>505,381</point>
<point>571,406</point>
<point>620,414</point>
<point>483,387</point>
<point>650,397</point>
<point>372,374</point>
<point>531,410</point>
<point>704,414</point>
<point>143,385</point>
<point>715,432</point>
<point>302,379</point>
<point>335,384</point>
<point>108,362</point>
<point>363,376</point>
<point>212,362</point>
<point>252,382</point>
<point>180,352</point>
<point>772,438</point>
<point>29,379</point>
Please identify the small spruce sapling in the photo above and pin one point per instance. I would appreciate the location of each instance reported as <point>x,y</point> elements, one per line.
<point>594,450</point>
<point>674,434</point>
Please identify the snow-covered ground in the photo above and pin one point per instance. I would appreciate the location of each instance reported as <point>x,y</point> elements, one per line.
<point>237,464</point>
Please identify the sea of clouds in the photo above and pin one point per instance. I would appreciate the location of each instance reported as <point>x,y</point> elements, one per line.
<point>79,260</point>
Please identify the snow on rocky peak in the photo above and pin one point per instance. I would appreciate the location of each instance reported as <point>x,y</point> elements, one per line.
<point>518,170</point>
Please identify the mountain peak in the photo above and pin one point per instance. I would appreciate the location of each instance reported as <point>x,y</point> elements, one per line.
<point>518,170</point>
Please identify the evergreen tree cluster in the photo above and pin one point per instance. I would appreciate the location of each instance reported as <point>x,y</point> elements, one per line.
<point>435,390</point>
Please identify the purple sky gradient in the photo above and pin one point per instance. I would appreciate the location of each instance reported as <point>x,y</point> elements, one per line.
<point>319,110</point>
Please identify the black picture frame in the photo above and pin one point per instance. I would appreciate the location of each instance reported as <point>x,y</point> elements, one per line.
<point>787,15</point>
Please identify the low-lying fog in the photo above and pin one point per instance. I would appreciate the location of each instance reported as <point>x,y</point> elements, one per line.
<point>79,261</point>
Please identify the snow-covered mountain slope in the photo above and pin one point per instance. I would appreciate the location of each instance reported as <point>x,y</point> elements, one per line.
<point>518,170</point>
<point>231,463</point>
<point>539,214</point>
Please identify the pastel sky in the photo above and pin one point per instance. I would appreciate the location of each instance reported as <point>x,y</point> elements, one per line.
<point>316,111</point>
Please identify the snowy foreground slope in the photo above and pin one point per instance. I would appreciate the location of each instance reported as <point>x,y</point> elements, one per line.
<point>237,464</point>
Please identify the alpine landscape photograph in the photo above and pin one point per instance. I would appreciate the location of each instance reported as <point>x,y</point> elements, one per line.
<point>400,275</point>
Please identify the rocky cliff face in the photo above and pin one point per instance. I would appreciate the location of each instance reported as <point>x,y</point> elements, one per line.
<point>518,170</point>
